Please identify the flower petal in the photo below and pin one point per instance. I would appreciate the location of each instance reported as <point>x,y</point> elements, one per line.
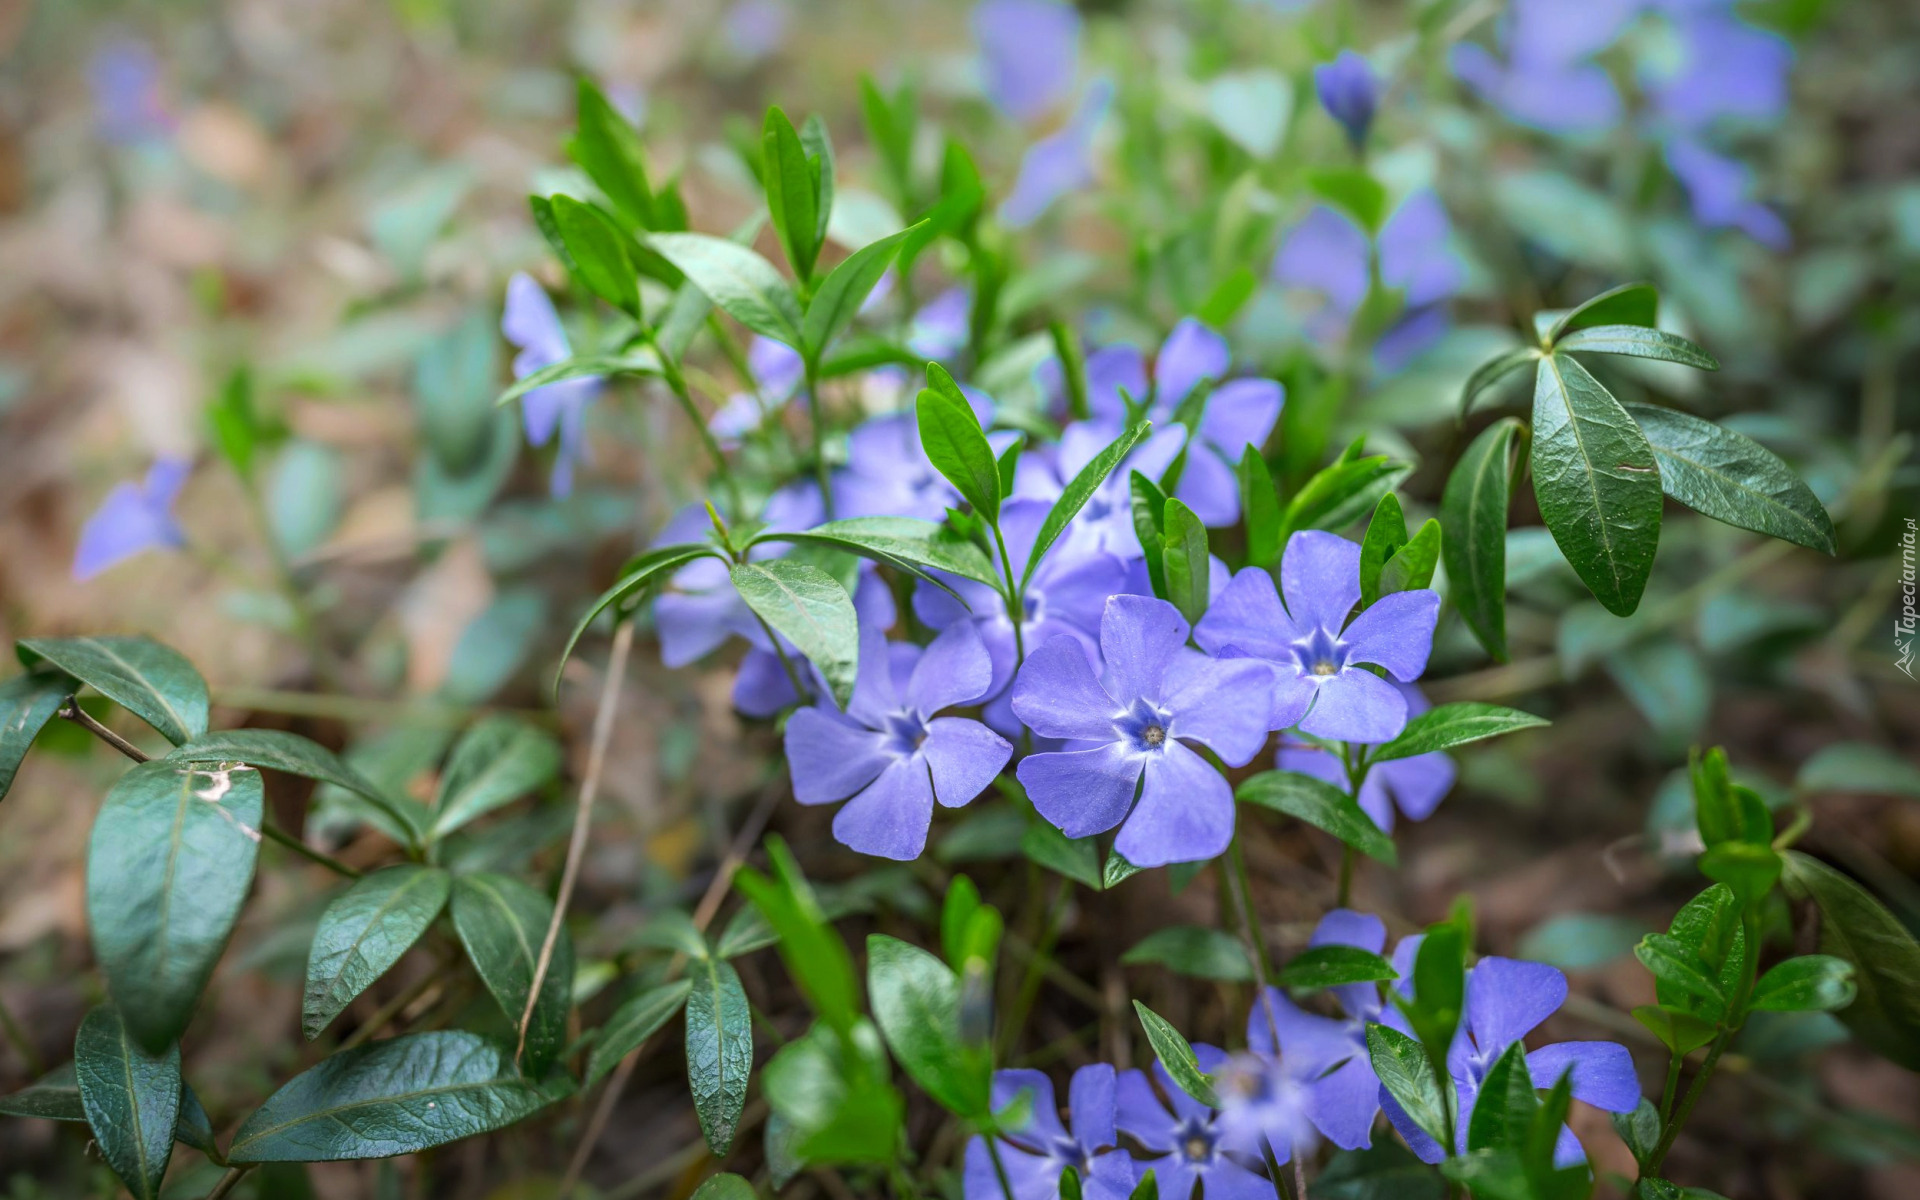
<point>1090,1105</point>
<point>1424,1147</point>
<point>1396,632</point>
<point>1185,812</point>
<point>762,687</point>
<point>1140,1114</point>
<point>1320,577</point>
<point>1222,703</point>
<point>1044,1125</point>
<point>1031,1176</point>
<point>1603,1073</point>
<point>1508,997</point>
<point>963,756</point>
<point>1241,411</point>
<point>890,818</point>
<point>1345,927</point>
<point>1139,639</point>
<point>1342,1103</point>
<point>1083,792</point>
<point>1191,353</point>
<point>1418,784</point>
<point>1057,694</point>
<point>1109,370</point>
<point>1247,615</point>
<point>830,756</point>
<point>955,669</point>
<point>1356,706</point>
<point>1228,1180</point>
<point>1209,487</point>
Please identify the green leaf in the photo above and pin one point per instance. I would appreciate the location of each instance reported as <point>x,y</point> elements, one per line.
<point>747,286</point>
<point>1503,1110</point>
<point>1333,965</point>
<point>236,428</point>
<point>1680,1030</point>
<point>1493,371</point>
<point>633,1023</point>
<point>502,922</point>
<point>1320,805</point>
<point>1228,297</point>
<point>1408,1075</point>
<point>394,1097</point>
<point>1176,1055</point>
<point>608,150</point>
<point>168,867</point>
<point>1439,987</point>
<point>916,1002</point>
<point>1708,929</point>
<point>1386,1171</point>
<point>1193,950</point>
<point>1185,564</point>
<point>1630,305</point>
<point>1147,1189</point>
<point>278,750</point>
<point>1386,533</point>
<point>1148,508</point>
<point>1858,767</point>
<point>1886,960</point>
<point>1732,478</point>
<point>836,1092</point>
<point>1340,494</point>
<point>1640,1130</point>
<point>891,124</point>
<point>898,541</point>
<point>1260,503</point>
<point>641,360</point>
<point>495,762</point>
<point>956,445</point>
<point>814,954</point>
<point>1354,191</point>
<point>1810,983</point>
<point>54,1096</point>
<point>599,253</point>
<point>1077,859</point>
<point>719,1049</point>
<point>845,289</point>
<point>1078,492</point>
<point>671,929</point>
<point>131,1099</point>
<point>153,682</point>
<point>1412,566</point>
<point>792,192</point>
<point>1597,483</point>
<point>1637,342</point>
<point>812,609</point>
<point>1446,726</point>
<point>1473,520</point>
<point>1750,869</point>
<point>725,1187</point>
<point>27,702</point>
<point>819,146</point>
<point>638,574</point>
<point>1116,869</point>
<point>363,932</point>
<point>1673,962</point>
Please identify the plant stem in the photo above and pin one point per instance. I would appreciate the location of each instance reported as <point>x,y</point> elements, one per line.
<point>1687,1102</point>
<point>999,1168</point>
<point>1674,1063</point>
<point>1346,875</point>
<point>72,711</point>
<point>229,1181</point>
<point>812,370</point>
<point>800,689</point>
<point>275,833</point>
<point>1250,931</point>
<point>1042,955</point>
<point>1736,1017</point>
<point>677,383</point>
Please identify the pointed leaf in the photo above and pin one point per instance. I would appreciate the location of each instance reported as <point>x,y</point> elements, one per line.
<point>154,682</point>
<point>1412,565</point>
<point>641,360</point>
<point>638,574</point>
<point>1320,805</point>
<point>27,702</point>
<point>1809,983</point>
<point>719,1049</point>
<point>131,1099</point>
<point>812,609</point>
<point>1176,1055</point>
<point>1886,960</point>
<point>633,1023</point>
<point>1078,492</point>
<point>1473,522</point>
<point>1194,950</point>
<point>1503,1110</point>
<point>608,150</point>
<point>279,750</point>
<point>1148,505</point>
<point>503,923</point>
<point>1185,563</point>
<point>792,193</point>
<point>1261,504</point>
<point>1449,725</point>
<point>599,253</point>
<point>1333,965</point>
<point>1730,477</point>
<point>845,289</point>
<point>1630,304</point>
<point>1636,342</point>
<point>1386,533</point>
<point>1408,1075</point>
<point>496,762</point>
<point>747,286</point>
<point>897,541</point>
<point>1493,371</point>
<point>363,932</point>
<point>956,445</point>
<point>916,1002</point>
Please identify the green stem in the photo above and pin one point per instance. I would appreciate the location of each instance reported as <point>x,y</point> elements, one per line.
<point>811,366</point>
<point>1687,1102</point>
<point>1036,964</point>
<point>677,383</point>
<point>999,1168</point>
<point>1736,1018</point>
<point>800,689</point>
<point>277,834</point>
<point>229,1181</point>
<point>1674,1063</point>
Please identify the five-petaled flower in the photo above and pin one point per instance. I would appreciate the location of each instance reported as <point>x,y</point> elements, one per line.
<point>1132,731</point>
<point>1320,679</point>
<point>888,751</point>
<point>134,517</point>
<point>1415,785</point>
<point>1191,1146</point>
<point>1037,1155</point>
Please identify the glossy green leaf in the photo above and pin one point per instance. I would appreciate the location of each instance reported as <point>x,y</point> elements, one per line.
<point>1333,965</point>
<point>1707,933</point>
<point>1184,562</point>
<point>845,289</point>
<point>897,541</point>
<point>1504,1107</point>
<point>1439,986</point>
<point>1446,726</point>
<point>641,360</point>
<point>812,609</point>
<point>1320,805</point>
<point>1473,522</point>
<point>836,1092</point>
<point>820,167</point>
<point>916,1002</point>
<point>1176,1055</point>
<point>1493,371</point>
<point>1637,342</point>
<point>154,682</point>
<point>495,762</point>
<point>1148,507</point>
<point>131,1099</point>
<point>27,702</point>
<point>54,1096</point>
<point>1076,494</point>
<point>279,750</point>
<point>1596,481</point>
<point>1732,478</point>
<point>1640,1130</point>
<point>1408,1075</point>
<point>1679,1029</point>
<point>394,1097</point>
<point>640,573</point>
<point>608,150</point>
<point>956,445</point>
<point>1386,533</point>
<point>1854,926</point>
<point>1630,304</point>
<point>1194,950</point>
<point>792,192</point>
<point>1673,962</point>
<point>719,1049</point>
<point>502,922</point>
<point>168,866</point>
<point>638,1019</point>
<point>747,286</point>
<point>1809,983</point>
<point>363,932</point>
<point>1260,504</point>
<point>1412,566</point>
<point>599,253</point>
<point>1341,494</point>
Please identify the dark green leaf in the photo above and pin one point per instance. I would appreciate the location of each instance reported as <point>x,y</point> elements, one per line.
<point>496,762</point>
<point>1077,859</point>
<point>131,1099</point>
<point>1630,304</point>
<point>845,289</point>
<point>153,682</point>
<point>638,574</point>
<point>719,1049</point>
<point>1886,960</point>
<point>1386,533</point>
<point>633,1023</point>
<point>1637,342</point>
<point>1448,725</point>
<point>1749,869</point>
<point>1673,962</point>
<point>503,923</point>
<point>1386,1171</point>
<point>1503,1110</point>
<point>1147,1189</point>
<point>1413,564</point>
<point>916,1001</point>
<point>792,192</point>
<point>1341,494</point>
<point>192,1127</point>
<point>1320,805</point>
<point>1261,504</point>
<point>1408,1075</point>
<point>1810,983</point>
<point>279,750</point>
<point>1176,1055</point>
<point>364,932</point>
<point>1708,929</point>
<point>899,540</point>
<point>1730,477</point>
<point>1679,1030</point>
<point>1333,965</point>
<point>27,702</point>
<point>1640,1130</point>
<point>168,866</point>
<point>1148,507</point>
<point>608,150</point>
<point>1193,950</point>
<point>599,254</point>
<point>1185,564</point>
<point>780,1143</point>
<point>1597,483</point>
<point>956,445</point>
<point>394,1097</point>
<point>1439,986</point>
<point>1493,371</point>
<point>812,609</point>
<point>1473,519</point>
<point>1076,494</point>
<point>641,360</point>
<point>55,1096</point>
<point>747,286</point>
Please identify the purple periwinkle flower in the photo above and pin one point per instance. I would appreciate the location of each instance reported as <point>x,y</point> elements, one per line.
<point>1191,1147</point>
<point>1721,192</point>
<point>531,324</point>
<point>754,29</point>
<point>1157,695</point>
<point>1414,785</point>
<point>1029,51</point>
<point>888,751</point>
<point>1192,352</point>
<point>1727,69</point>
<point>888,474</point>
<point>1105,522</point>
<point>1059,163</point>
<point>939,329</point>
<point>1036,1156</point>
<point>777,372</point>
<point>1546,81</point>
<point>1317,657</point>
<point>128,103</point>
<point>1349,92</point>
<point>135,517</point>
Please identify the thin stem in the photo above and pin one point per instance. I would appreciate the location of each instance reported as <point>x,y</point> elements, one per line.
<point>999,1168</point>
<point>229,1181</point>
<point>1674,1063</point>
<point>275,833</point>
<point>1346,876</point>
<point>812,371</point>
<point>1687,1102</point>
<point>72,711</point>
<point>1250,931</point>
<point>800,689</point>
<point>384,1015</point>
<point>677,384</point>
<point>582,820</point>
<point>1042,954</point>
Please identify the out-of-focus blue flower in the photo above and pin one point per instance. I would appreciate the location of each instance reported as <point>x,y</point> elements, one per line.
<point>1036,1156</point>
<point>1105,522</point>
<point>128,104</point>
<point>1546,81</point>
<point>1721,191</point>
<point>1727,68</point>
<point>1414,785</point>
<point>1029,51</point>
<point>1319,682</point>
<point>1156,692</point>
<point>135,517</point>
<point>1349,93</point>
<point>888,751</point>
<point>1192,353</point>
<point>531,324</point>
<point>754,29</point>
<point>939,329</point>
<point>1059,163</point>
<point>777,371</point>
<point>1191,1148</point>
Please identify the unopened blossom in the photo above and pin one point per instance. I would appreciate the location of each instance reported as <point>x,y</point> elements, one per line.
<point>1319,658</point>
<point>1156,695</point>
<point>1191,1151</point>
<point>1036,1156</point>
<point>1349,93</point>
<point>889,751</point>
<point>1029,52</point>
<point>1414,785</point>
<point>134,518</point>
<point>530,323</point>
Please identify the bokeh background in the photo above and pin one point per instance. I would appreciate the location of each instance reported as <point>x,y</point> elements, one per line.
<point>331,195</point>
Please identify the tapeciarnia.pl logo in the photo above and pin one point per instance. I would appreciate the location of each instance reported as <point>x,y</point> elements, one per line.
<point>1907,619</point>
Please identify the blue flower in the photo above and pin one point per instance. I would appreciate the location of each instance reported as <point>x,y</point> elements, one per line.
<point>1191,1147</point>
<point>1317,656</point>
<point>1721,191</point>
<point>1414,785</point>
<point>1348,92</point>
<point>888,751</point>
<point>1029,51</point>
<point>777,374</point>
<point>1058,163</point>
<point>1132,731</point>
<point>1548,81</point>
<point>1105,522</point>
<point>135,517</point>
<point>754,29</point>
<point>530,323</point>
<point>128,104</point>
<point>1036,1156</point>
